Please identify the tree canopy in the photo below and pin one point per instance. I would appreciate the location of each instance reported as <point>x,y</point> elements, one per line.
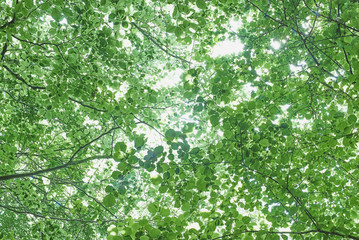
<point>98,142</point>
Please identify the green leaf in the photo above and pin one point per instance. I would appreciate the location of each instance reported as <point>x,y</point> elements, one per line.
<point>109,189</point>
<point>264,142</point>
<point>115,174</point>
<point>214,119</point>
<point>122,166</point>
<point>195,150</point>
<point>120,146</point>
<point>165,212</point>
<point>332,142</point>
<point>257,129</point>
<point>139,142</point>
<point>152,99</point>
<point>178,31</point>
<point>246,219</point>
<point>158,150</point>
<point>156,180</point>
<point>170,134</point>
<point>118,156</point>
<point>154,233</point>
<point>56,14</point>
<point>109,200</point>
<point>152,208</point>
<point>29,4</point>
<point>201,4</point>
<point>352,119</point>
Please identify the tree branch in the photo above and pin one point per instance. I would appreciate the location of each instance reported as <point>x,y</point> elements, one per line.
<point>3,52</point>
<point>21,79</point>
<point>47,170</point>
<point>157,44</point>
<point>69,163</point>
<point>55,218</point>
<point>88,106</point>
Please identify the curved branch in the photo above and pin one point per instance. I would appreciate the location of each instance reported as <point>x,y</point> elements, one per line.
<point>55,218</point>
<point>22,79</point>
<point>47,170</point>
<point>69,163</point>
<point>3,52</point>
<point>157,44</point>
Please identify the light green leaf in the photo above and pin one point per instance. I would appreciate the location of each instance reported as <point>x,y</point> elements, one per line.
<point>264,142</point>
<point>120,146</point>
<point>139,141</point>
<point>156,180</point>
<point>154,233</point>
<point>152,208</point>
<point>109,200</point>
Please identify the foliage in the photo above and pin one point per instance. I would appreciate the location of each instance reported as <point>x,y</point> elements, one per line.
<point>257,145</point>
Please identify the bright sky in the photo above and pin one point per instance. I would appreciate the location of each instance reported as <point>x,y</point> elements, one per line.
<point>228,47</point>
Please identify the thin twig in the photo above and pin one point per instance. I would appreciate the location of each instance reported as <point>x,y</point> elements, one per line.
<point>157,44</point>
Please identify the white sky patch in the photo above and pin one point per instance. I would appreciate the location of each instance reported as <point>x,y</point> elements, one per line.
<point>48,18</point>
<point>234,25</point>
<point>93,123</point>
<point>306,24</point>
<point>297,68</point>
<point>44,122</point>
<point>139,35</point>
<point>194,225</point>
<point>122,91</point>
<point>227,47</point>
<point>153,138</point>
<point>276,122</point>
<point>187,118</point>
<point>126,43</point>
<point>342,108</point>
<point>285,107</point>
<point>275,44</point>
<point>98,166</point>
<point>172,79</point>
<point>273,205</point>
<point>247,90</point>
<point>262,71</point>
<point>46,181</point>
<point>154,174</point>
<point>169,9</point>
<point>294,68</point>
<point>63,21</point>
<point>303,123</point>
<point>9,3</point>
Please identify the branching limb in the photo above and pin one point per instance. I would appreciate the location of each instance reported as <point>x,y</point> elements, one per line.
<point>158,45</point>
<point>13,209</point>
<point>18,77</point>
